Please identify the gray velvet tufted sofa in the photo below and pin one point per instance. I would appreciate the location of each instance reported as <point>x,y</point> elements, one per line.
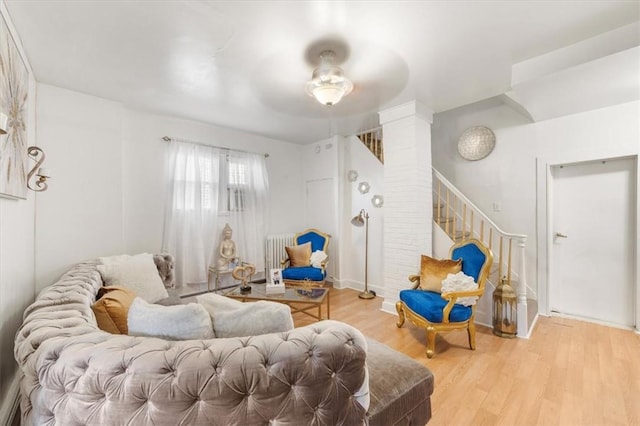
<point>327,373</point>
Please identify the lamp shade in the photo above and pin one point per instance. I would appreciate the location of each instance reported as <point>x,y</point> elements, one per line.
<point>360,219</point>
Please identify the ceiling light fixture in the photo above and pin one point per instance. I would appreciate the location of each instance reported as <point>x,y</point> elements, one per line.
<point>328,83</point>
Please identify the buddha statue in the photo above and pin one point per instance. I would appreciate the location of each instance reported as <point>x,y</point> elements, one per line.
<point>227,250</point>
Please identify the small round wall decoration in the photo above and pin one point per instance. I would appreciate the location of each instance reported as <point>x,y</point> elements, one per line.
<point>475,143</point>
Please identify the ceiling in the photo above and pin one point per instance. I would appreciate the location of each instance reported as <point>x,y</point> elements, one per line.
<point>244,64</point>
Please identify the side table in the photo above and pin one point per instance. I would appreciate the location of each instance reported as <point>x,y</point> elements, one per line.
<point>217,276</point>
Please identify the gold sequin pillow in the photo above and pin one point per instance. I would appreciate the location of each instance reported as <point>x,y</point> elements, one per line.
<point>433,271</point>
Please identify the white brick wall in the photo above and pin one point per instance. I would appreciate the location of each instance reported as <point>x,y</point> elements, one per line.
<point>407,205</point>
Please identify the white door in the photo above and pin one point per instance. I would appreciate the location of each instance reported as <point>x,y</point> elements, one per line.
<point>321,207</point>
<point>592,253</point>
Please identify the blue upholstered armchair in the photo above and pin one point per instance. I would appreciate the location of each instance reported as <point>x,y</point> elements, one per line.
<point>437,312</point>
<point>296,271</point>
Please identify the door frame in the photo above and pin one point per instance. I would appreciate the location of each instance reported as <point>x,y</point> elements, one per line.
<point>544,207</point>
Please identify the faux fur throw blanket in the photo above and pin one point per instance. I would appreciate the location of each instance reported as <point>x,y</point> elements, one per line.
<point>460,282</point>
<point>232,318</point>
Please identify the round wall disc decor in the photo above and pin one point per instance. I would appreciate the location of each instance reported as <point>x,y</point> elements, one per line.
<point>475,143</point>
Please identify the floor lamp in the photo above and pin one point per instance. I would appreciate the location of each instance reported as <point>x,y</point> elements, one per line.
<point>363,219</point>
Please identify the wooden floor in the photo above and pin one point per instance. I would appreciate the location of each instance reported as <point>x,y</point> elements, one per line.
<point>569,373</point>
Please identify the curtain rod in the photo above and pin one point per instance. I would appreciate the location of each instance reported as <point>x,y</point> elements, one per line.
<point>170,139</point>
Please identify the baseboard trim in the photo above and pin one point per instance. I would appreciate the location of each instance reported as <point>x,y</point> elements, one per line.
<point>356,285</point>
<point>11,401</point>
<point>389,307</point>
<point>592,320</point>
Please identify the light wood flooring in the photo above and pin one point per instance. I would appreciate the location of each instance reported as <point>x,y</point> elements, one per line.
<point>569,373</point>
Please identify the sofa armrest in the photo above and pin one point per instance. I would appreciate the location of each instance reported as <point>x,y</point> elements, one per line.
<point>311,375</point>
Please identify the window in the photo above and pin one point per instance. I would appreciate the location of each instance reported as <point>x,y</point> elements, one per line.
<point>196,176</point>
<point>220,182</point>
<point>237,186</point>
<point>205,182</point>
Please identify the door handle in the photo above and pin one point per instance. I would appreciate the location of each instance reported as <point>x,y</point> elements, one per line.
<point>560,235</point>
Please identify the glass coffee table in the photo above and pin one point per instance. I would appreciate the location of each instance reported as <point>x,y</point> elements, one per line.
<point>292,296</point>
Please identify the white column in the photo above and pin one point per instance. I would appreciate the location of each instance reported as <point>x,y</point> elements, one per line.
<point>407,195</point>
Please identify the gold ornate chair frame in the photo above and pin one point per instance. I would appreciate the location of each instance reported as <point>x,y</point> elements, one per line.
<point>432,329</point>
<point>323,264</point>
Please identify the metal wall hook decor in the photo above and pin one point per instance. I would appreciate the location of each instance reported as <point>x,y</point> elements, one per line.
<point>37,155</point>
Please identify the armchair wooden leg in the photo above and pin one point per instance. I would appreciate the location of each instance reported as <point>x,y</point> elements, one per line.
<point>401,316</point>
<point>431,342</point>
<point>471,330</point>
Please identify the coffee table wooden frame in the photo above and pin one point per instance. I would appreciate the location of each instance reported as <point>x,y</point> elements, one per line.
<point>290,297</point>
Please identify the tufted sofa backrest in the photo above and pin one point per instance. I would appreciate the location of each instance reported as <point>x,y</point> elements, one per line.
<point>75,374</point>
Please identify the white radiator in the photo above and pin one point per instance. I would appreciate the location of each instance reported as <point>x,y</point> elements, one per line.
<point>274,250</point>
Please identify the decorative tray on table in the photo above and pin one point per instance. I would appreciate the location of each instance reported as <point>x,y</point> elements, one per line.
<point>311,292</point>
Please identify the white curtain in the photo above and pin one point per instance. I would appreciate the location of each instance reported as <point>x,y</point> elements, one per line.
<point>248,191</point>
<point>191,209</point>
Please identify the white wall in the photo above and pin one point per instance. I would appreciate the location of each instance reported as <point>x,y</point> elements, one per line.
<point>80,215</point>
<point>143,174</point>
<point>106,195</point>
<point>321,202</point>
<point>17,279</point>
<point>359,158</point>
<point>510,174</point>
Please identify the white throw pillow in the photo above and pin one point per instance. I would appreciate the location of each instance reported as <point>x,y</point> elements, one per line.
<point>460,282</point>
<point>111,260</point>
<point>232,318</point>
<point>176,322</point>
<point>138,273</point>
<point>317,257</point>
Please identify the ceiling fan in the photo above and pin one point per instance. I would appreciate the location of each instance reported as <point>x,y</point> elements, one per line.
<point>328,84</point>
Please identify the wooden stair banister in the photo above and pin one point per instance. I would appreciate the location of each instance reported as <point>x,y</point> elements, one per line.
<point>461,219</point>
<point>372,139</point>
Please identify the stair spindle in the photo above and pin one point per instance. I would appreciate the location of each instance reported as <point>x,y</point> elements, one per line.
<point>471,232</point>
<point>509,263</point>
<point>439,203</point>
<point>455,213</point>
<point>464,222</point>
<point>500,260</point>
<point>448,208</point>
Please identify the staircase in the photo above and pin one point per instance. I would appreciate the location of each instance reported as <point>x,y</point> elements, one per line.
<point>460,219</point>
<point>372,139</point>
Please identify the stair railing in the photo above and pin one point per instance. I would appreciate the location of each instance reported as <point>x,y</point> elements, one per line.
<point>461,219</point>
<point>372,139</point>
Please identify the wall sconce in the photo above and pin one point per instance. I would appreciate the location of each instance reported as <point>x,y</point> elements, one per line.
<point>377,201</point>
<point>352,175</point>
<point>363,187</point>
<point>38,156</point>
<point>475,143</point>
<point>3,123</point>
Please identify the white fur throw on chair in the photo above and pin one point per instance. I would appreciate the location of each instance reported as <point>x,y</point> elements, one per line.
<point>232,318</point>
<point>460,282</point>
